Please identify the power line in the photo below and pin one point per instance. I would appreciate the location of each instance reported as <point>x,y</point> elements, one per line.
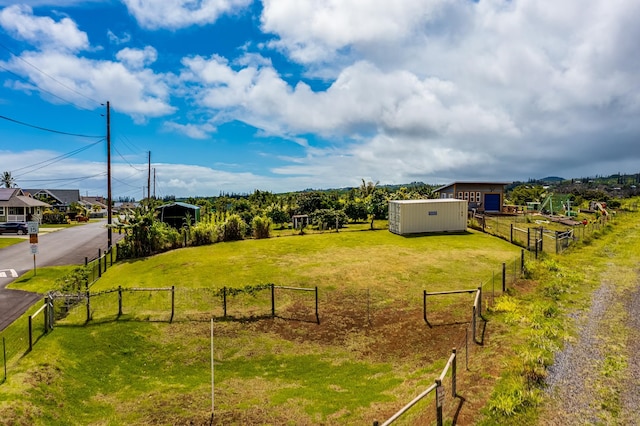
<point>48,130</point>
<point>126,161</point>
<point>51,77</point>
<point>70,180</point>
<point>67,101</point>
<point>54,160</point>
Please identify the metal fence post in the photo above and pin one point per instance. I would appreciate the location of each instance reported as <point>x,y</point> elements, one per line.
<point>454,369</point>
<point>46,315</point>
<point>522,261</point>
<point>557,241</point>
<point>4,352</point>
<point>30,333</point>
<point>511,234</point>
<point>438,402</point>
<point>424,305</point>
<point>317,315</point>
<point>173,302</point>
<point>99,263</point>
<point>119,300</point>
<point>224,301</point>
<point>273,300</point>
<point>504,277</point>
<point>88,305</point>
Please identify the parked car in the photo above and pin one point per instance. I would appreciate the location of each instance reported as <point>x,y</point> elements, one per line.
<point>13,227</point>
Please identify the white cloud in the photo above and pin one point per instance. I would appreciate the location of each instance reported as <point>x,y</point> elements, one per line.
<point>137,58</point>
<point>86,82</point>
<point>315,30</point>
<point>194,131</point>
<point>115,39</point>
<point>41,31</point>
<point>176,14</point>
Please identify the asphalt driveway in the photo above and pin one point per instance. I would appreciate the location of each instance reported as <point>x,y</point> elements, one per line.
<point>56,247</point>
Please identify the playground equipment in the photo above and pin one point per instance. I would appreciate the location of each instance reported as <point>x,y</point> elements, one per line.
<point>556,203</point>
<point>599,207</point>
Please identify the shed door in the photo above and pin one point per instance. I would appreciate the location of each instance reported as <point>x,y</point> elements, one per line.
<point>492,202</point>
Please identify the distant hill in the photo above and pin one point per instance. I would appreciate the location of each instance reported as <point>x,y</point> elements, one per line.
<point>552,179</point>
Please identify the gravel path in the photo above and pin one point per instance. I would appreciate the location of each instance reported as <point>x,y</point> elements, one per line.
<point>631,397</point>
<point>596,378</point>
<point>571,377</point>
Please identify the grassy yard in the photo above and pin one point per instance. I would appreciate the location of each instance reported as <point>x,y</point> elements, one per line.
<point>370,354</point>
<point>6,242</point>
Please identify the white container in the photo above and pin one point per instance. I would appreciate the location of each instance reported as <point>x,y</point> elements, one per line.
<point>421,216</point>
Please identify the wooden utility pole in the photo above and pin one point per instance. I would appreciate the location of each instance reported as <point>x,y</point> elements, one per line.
<point>109,201</point>
<point>154,183</point>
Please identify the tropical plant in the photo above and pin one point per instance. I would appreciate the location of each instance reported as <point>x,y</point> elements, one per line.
<point>7,180</point>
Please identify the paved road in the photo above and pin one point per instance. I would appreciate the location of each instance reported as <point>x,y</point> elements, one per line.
<point>66,246</point>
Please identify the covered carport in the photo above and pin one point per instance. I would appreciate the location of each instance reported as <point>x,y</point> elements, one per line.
<point>179,214</point>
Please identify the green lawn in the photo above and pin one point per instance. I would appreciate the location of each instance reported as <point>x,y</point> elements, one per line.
<point>370,355</point>
<point>6,242</point>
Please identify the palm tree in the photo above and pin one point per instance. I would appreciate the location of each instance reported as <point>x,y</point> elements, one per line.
<point>368,188</point>
<point>7,180</point>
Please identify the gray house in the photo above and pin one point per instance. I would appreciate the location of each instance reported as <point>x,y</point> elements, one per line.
<point>59,199</point>
<point>16,206</point>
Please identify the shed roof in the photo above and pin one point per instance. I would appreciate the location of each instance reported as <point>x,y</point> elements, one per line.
<point>428,201</point>
<point>178,203</point>
<point>503,184</point>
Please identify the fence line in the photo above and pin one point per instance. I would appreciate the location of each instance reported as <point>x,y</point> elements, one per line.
<point>495,225</point>
<point>440,393</point>
<point>169,304</point>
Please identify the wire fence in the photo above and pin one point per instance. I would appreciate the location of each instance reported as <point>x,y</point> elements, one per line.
<point>550,235</point>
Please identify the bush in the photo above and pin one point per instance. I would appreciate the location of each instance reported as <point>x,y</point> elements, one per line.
<point>234,228</point>
<point>261,227</point>
<point>328,218</point>
<point>54,218</point>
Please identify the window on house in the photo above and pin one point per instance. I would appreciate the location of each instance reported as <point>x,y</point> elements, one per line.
<point>1,211</point>
<point>460,195</point>
<point>478,199</point>
<point>472,197</point>
<point>466,196</point>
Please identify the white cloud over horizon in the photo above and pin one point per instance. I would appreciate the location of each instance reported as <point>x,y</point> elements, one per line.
<point>437,89</point>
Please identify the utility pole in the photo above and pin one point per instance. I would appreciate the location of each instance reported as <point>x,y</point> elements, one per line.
<point>149,180</point>
<point>109,201</point>
<point>154,183</point>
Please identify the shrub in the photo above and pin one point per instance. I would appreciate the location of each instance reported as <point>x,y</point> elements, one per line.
<point>53,218</point>
<point>234,228</point>
<point>261,227</point>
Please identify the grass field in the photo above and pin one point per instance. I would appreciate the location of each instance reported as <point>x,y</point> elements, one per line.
<point>370,354</point>
<point>8,241</point>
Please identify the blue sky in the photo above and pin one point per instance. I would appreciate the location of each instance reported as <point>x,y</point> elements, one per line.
<point>283,95</point>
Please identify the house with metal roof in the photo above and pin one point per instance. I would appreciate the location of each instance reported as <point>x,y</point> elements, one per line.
<point>16,206</point>
<point>487,197</point>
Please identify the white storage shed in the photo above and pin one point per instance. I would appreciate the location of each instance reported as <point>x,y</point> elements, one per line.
<point>419,216</point>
